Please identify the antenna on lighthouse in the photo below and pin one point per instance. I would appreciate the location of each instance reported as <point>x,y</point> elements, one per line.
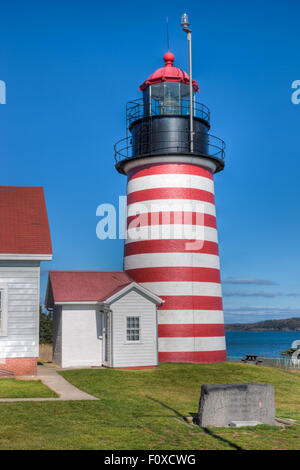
<point>168,40</point>
<point>185,27</point>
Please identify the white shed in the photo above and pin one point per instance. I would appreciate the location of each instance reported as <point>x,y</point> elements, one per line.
<point>24,242</point>
<point>102,318</point>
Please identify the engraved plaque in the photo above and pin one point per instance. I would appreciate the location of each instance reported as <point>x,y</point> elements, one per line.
<point>221,404</point>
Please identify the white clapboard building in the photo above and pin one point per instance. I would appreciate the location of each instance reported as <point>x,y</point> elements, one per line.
<point>24,243</point>
<point>102,318</point>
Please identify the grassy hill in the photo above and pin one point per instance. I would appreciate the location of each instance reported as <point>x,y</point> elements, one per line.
<point>286,324</point>
<point>149,409</point>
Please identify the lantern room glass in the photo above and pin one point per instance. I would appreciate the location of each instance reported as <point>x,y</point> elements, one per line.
<point>166,98</point>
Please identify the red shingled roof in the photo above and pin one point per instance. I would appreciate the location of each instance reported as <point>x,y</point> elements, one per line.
<point>24,227</point>
<point>80,286</point>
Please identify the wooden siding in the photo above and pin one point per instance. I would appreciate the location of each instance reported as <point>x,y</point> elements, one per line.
<point>144,352</point>
<point>22,280</point>
<point>81,345</point>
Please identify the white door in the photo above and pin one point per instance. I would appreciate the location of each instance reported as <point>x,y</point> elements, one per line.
<point>106,339</point>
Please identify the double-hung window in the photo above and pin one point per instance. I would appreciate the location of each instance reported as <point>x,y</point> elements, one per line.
<point>133,329</point>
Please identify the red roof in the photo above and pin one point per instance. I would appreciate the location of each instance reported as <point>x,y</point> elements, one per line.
<point>24,227</point>
<point>168,73</point>
<point>81,286</point>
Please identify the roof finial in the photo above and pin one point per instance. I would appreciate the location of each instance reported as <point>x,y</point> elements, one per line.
<point>169,59</point>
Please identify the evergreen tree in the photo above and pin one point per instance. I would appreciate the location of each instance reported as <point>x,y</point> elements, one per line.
<point>45,327</point>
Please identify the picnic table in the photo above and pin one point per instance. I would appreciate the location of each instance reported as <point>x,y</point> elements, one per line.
<point>254,358</point>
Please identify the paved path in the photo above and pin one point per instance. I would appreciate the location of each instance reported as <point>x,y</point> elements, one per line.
<point>58,384</point>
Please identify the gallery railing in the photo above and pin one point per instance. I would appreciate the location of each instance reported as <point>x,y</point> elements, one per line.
<point>138,109</point>
<point>169,142</point>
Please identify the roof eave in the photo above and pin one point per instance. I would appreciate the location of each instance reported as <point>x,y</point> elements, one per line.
<point>148,82</point>
<point>25,257</point>
<point>109,300</point>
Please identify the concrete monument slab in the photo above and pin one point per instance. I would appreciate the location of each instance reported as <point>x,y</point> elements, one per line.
<point>220,405</point>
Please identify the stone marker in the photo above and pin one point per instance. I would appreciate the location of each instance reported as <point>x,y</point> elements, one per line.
<point>221,404</point>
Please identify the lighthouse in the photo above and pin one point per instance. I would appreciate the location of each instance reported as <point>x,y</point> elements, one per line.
<point>172,243</point>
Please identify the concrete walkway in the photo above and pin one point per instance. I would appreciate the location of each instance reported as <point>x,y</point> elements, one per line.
<point>58,384</point>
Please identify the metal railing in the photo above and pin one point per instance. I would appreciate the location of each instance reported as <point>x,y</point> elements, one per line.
<point>278,362</point>
<point>169,142</point>
<point>136,109</point>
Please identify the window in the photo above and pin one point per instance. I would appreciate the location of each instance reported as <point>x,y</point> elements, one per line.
<point>168,98</point>
<point>133,328</point>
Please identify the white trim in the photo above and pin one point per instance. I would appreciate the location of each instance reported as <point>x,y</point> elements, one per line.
<point>132,315</point>
<point>170,159</point>
<point>4,312</point>
<point>25,257</point>
<point>38,315</point>
<point>131,286</point>
<point>109,342</point>
<point>76,302</point>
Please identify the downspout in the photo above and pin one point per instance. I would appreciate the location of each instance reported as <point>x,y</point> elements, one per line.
<point>108,310</point>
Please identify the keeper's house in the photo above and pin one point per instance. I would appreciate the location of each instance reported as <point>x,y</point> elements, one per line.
<point>24,243</point>
<point>102,318</point>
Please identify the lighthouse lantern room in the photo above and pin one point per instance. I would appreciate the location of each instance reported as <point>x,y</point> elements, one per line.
<point>171,207</point>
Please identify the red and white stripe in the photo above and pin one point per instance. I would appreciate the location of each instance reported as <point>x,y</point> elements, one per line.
<point>172,250</point>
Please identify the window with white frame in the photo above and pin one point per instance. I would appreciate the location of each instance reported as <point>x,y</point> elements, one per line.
<point>133,329</point>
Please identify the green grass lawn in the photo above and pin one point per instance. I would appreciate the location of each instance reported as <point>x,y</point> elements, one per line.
<point>11,388</point>
<point>147,409</point>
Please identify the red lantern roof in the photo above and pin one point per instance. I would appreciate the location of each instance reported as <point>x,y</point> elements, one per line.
<point>168,73</point>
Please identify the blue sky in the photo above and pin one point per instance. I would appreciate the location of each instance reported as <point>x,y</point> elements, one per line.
<point>70,67</point>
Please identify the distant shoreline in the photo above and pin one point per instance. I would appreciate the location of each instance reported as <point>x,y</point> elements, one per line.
<point>228,328</point>
<point>286,324</point>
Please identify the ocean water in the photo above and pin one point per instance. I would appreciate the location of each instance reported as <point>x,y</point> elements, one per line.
<point>264,343</point>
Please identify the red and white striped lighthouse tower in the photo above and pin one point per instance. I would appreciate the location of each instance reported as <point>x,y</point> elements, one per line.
<point>172,244</point>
